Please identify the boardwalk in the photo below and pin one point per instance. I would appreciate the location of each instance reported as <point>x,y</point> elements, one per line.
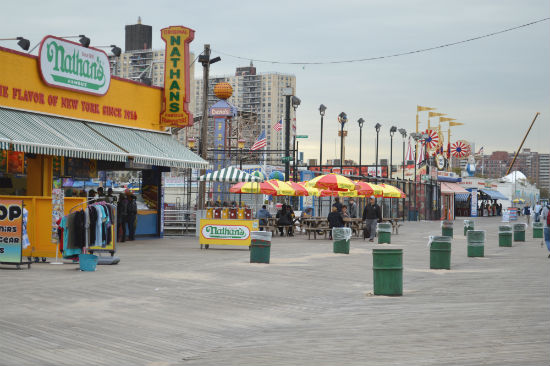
<point>169,303</point>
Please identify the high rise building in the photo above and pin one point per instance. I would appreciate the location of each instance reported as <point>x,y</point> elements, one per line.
<point>259,94</point>
<point>138,37</point>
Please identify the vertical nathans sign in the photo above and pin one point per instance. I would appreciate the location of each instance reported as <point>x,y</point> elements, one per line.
<point>175,111</point>
<point>68,65</point>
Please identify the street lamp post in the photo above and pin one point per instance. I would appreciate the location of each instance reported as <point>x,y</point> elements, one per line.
<point>377,127</point>
<point>416,137</point>
<point>360,122</point>
<point>342,118</point>
<point>295,101</point>
<point>322,110</point>
<point>393,129</point>
<point>403,133</point>
<point>240,145</point>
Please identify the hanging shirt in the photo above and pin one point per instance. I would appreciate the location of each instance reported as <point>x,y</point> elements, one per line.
<point>99,225</point>
<point>25,238</point>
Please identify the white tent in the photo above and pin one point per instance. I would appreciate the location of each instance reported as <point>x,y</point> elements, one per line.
<point>514,177</point>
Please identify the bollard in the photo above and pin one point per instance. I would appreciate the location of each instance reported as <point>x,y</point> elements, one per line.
<point>537,230</point>
<point>341,237</point>
<point>504,236</point>
<point>447,228</point>
<point>519,232</point>
<point>440,252</point>
<point>468,225</point>
<point>387,266</point>
<point>260,246</point>
<point>383,231</point>
<point>476,243</point>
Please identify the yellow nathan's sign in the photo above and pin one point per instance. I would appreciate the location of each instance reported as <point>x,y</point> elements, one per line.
<point>226,232</point>
<point>125,102</point>
<point>175,111</point>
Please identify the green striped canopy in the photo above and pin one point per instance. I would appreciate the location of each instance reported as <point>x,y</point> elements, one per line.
<point>230,175</point>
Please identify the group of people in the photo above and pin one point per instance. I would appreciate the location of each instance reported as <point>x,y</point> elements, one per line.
<point>371,216</point>
<point>127,215</point>
<point>285,218</point>
<point>488,209</point>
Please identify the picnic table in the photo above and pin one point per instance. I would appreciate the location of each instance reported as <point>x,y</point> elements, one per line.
<point>394,223</point>
<point>315,225</point>
<point>355,224</point>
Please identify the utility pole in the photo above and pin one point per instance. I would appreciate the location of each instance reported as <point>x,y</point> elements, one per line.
<point>287,135</point>
<point>205,60</point>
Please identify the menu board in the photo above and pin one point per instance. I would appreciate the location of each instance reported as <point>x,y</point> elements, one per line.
<point>11,225</point>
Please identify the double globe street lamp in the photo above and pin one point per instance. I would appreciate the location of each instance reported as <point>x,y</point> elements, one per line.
<point>343,119</point>
<point>360,122</point>
<point>322,110</point>
<point>377,128</point>
<point>393,129</point>
<point>403,133</point>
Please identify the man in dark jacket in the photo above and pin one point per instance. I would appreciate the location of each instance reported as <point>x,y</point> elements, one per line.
<point>337,204</point>
<point>371,215</point>
<point>334,219</point>
<point>284,219</point>
<point>122,216</point>
<point>132,215</point>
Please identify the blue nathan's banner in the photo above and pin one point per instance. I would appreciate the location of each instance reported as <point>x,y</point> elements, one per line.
<point>11,225</point>
<point>473,205</point>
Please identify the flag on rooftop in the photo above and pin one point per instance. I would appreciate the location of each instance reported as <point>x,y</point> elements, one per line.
<point>480,152</point>
<point>260,143</point>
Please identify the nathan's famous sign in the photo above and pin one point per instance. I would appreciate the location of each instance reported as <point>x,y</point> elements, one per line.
<point>175,111</point>
<point>68,65</point>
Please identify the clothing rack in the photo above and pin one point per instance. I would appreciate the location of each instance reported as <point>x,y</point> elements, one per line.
<point>114,226</point>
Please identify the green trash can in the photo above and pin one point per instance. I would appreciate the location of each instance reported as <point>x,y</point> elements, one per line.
<point>341,237</point>
<point>538,227</point>
<point>476,243</point>
<point>383,231</point>
<point>440,252</point>
<point>519,232</point>
<point>468,225</point>
<point>387,266</point>
<point>260,246</point>
<point>504,236</point>
<point>447,228</point>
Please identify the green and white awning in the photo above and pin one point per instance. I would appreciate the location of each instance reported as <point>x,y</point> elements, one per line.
<point>48,135</point>
<point>230,175</point>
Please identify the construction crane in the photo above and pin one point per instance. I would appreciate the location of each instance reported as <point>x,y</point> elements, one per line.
<point>521,145</point>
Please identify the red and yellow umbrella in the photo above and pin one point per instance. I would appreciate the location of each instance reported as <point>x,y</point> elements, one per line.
<point>283,189</point>
<point>254,187</point>
<point>312,191</point>
<point>299,190</point>
<point>368,189</point>
<point>335,182</point>
<point>392,192</point>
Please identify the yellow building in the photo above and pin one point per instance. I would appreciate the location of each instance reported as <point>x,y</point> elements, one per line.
<point>64,119</point>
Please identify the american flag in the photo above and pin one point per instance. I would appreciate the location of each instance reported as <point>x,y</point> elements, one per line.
<point>480,152</point>
<point>294,124</point>
<point>278,126</point>
<point>260,143</point>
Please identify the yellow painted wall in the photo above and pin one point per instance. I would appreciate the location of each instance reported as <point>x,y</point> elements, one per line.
<point>21,71</point>
<point>39,225</point>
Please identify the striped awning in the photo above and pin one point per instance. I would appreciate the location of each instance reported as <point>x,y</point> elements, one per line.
<point>462,197</point>
<point>48,135</point>
<point>230,175</point>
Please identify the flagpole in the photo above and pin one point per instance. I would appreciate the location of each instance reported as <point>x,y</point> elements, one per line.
<point>449,148</point>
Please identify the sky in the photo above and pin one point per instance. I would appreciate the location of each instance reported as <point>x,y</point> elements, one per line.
<point>494,85</point>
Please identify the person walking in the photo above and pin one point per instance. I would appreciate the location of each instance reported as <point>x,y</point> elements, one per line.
<point>538,211</point>
<point>527,213</point>
<point>546,224</point>
<point>371,215</point>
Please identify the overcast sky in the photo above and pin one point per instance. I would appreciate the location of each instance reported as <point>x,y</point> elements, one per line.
<point>494,85</point>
